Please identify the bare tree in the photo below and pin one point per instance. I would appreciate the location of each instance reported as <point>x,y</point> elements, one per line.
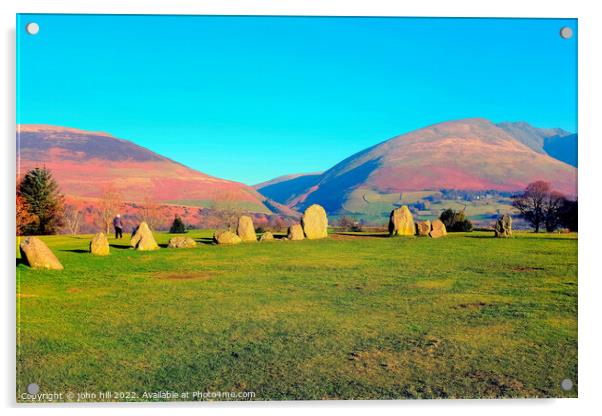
<point>553,206</point>
<point>531,202</point>
<point>110,203</point>
<point>73,218</point>
<point>151,213</point>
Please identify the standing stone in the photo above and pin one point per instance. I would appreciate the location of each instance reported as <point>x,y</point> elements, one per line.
<point>181,242</point>
<point>99,246</point>
<point>144,240</point>
<point>267,236</point>
<point>246,229</point>
<point>438,229</point>
<point>423,228</point>
<point>37,254</point>
<point>295,232</point>
<point>503,226</point>
<point>226,237</point>
<point>401,222</point>
<point>315,222</point>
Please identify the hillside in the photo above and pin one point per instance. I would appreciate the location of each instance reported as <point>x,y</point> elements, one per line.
<point>470,154</point>
<point>86,164</point>
<point>557,143</point>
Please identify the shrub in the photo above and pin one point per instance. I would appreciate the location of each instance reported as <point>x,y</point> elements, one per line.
<point>455,221</point>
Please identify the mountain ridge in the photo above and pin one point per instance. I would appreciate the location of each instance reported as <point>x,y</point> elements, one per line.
<point>470,154</point>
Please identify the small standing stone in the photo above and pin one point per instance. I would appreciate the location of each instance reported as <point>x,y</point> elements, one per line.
<point>423,228</point>
<point>181,242</point>
<point>99,246</point>
<point>267,236</point>
<point>438,229</point>
<point>503,226</point>
<point>295,232</point>
<point>401,222</point>
<point>37,254</point>
<point>226,237</point>
<point>246,229</point>
<point>144,240</point>
<point>315,222</point>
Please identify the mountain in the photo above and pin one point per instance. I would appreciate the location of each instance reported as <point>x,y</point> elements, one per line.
<point>86,164</point>
<point>557,143</point>
<point>470,154</point>
<point>563,148</point>
<point>286,187</point>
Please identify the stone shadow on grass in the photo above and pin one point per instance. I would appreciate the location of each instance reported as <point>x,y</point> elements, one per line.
<point>120,246</point>
<point>77,250</point>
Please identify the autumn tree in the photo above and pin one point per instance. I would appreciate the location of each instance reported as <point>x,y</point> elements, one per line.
<point>43,200</point>
<point>109,205</point>
<point>24,218</point>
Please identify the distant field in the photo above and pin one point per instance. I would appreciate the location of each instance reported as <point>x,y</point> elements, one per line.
<point>356,316</point>
<point>375,207</point>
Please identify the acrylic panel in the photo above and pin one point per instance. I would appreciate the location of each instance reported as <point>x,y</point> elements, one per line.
<point>295,208</point>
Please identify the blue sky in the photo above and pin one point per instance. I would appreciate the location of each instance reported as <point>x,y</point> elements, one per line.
<point>252,98</point>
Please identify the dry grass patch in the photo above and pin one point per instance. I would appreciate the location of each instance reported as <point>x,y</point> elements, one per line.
<point>201,275</point>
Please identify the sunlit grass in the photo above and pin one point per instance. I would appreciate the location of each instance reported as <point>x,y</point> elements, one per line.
<point>347,317</point>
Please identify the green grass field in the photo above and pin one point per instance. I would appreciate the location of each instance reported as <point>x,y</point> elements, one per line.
<point>349,317</point>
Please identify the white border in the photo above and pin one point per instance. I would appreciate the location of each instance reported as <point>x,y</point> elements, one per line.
<point>590,139</point>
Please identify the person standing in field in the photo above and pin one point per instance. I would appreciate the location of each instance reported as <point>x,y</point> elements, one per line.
<point>118,226</point>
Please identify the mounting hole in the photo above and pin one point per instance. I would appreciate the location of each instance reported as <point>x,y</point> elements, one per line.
<point>566,32</point>
<point>33,388</point>
<point>32,28</point>
<point>566,384</point>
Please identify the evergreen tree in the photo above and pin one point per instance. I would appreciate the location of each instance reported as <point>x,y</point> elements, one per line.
<point>177,227</point>
<point>44,201</point>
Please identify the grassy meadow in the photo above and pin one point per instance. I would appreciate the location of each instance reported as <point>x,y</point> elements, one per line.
<point>354,316</point>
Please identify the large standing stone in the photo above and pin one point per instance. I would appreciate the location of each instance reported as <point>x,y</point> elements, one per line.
<point>226,237</point>
<point>315,222</point>
<point>401,222</point>
<point>37,254</point>
<point>99,246</point>
<point>438,229</point>
<point>144,240</point>
<point>503,226</point>
<point>295,232</point>
<point>246,229</point>
<point>267,236</point>
<point>181,242</point>
<point>423,228</point>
